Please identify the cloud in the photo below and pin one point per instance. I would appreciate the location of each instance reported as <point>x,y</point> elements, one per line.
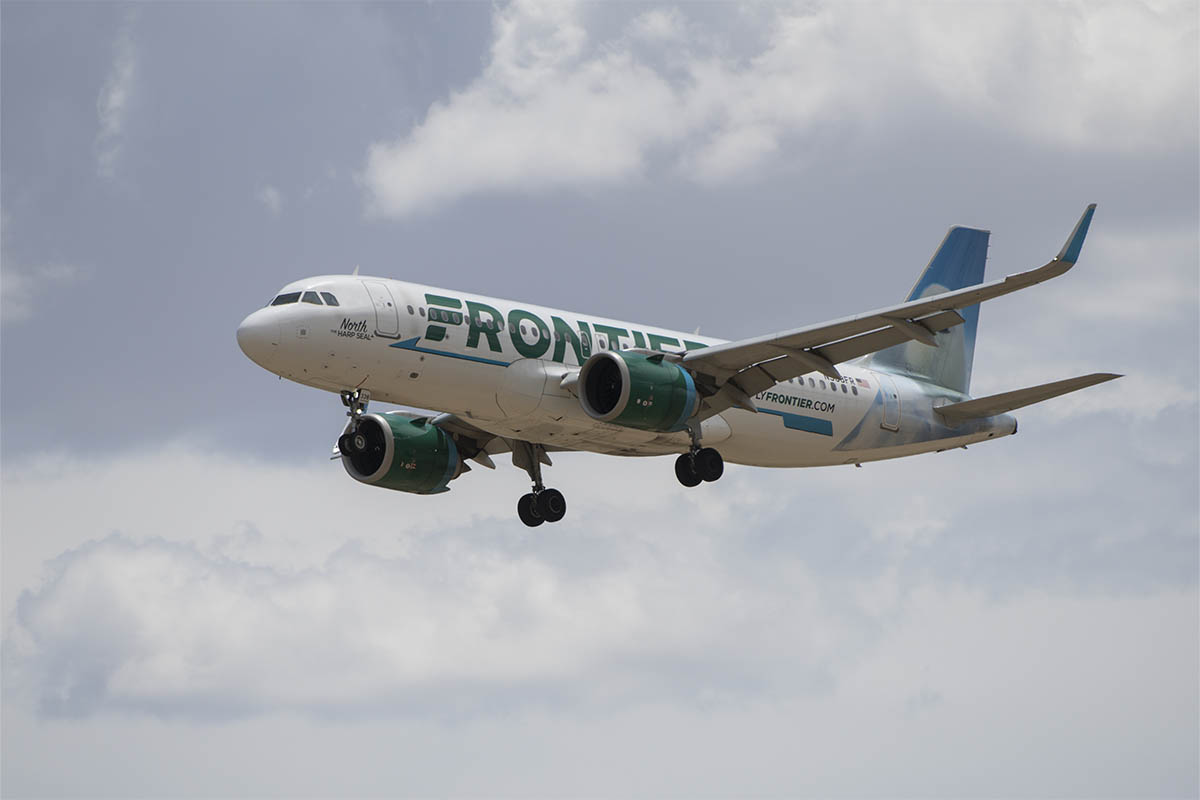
<point>21,285</point>
<point>558,105</point>
<point>272,199</point>
<point>19,288</point>
<point>283,592</point>
<point>112,106</point>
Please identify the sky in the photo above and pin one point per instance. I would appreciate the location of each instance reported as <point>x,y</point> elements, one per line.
<point>196,602</point>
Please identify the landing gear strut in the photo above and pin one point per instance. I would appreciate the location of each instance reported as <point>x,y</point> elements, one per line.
<point>699,463</point>
<point>541,504</point>
<point>352,441</point>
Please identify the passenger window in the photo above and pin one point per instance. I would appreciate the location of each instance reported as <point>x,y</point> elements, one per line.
<point>822,384</point>
<point>512,328</point>
<point>843,388</point>
<point>284,299</point>
<point>330,300</point>
<point>811,385</point>
<point>410,311</point>
<point>854,390</point>
<point>421,311</point>
<point>312,297</point>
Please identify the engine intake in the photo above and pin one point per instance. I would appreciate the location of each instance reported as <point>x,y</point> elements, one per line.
<point>399,453</point>
<point>637,391</point>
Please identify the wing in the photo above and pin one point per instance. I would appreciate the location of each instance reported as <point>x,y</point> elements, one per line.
<point>732,373</point>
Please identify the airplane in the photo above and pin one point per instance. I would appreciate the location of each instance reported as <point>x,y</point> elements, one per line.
<point>512,377</point>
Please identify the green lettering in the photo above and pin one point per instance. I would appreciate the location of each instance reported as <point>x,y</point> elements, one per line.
<point>638,339</point>
<point>614,334</point>
<point>484,319</point>
<point>657,342</point>
<point>538,348</point>
<point>442,300</point>
<point>436,333</point>
<point>693,345</point>
<point>581,343</point>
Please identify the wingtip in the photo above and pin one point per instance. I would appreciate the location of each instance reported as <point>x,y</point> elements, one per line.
<point>1074,244</point>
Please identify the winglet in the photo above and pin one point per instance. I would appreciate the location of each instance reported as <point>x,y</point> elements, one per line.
<point>1070,251</point>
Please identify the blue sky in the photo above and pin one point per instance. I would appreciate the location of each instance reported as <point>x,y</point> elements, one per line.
<point>188,581</point>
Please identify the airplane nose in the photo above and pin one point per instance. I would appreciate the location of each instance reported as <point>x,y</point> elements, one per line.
<point>258,336</point>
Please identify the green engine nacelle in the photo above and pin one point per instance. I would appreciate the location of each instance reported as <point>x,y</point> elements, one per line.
<point>400,453</point>
<point>637,391</point>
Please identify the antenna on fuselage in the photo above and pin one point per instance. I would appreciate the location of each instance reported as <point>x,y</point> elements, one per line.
<point>355,270</point>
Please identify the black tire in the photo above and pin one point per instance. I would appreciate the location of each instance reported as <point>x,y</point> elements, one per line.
<point>527,510</point>
<point>709,464</point>
<point>685,470</point>
<point>551,505</point>
<point>344,445</point>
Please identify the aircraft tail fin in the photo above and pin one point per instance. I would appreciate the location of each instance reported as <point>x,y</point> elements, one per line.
<point>1009,401</point>
<point>956,264</point>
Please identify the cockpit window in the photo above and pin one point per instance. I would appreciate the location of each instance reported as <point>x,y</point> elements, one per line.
<point>311,297</point>
<point>284,299</point>
<point>330,300</point>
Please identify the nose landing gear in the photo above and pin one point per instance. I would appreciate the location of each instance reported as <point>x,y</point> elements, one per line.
<point>698,464</point>
<point>353,442</point>
<point>541,504</point>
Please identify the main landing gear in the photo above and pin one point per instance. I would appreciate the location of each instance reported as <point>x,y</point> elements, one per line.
<point>541,504</point>
<point>699,463</point>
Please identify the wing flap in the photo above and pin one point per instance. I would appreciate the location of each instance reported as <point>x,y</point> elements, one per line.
<point>1019,398</point>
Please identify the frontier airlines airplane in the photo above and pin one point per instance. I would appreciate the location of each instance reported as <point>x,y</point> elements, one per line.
<point>513,377</point>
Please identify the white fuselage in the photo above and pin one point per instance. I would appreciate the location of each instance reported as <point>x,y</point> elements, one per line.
<point>500,365</point>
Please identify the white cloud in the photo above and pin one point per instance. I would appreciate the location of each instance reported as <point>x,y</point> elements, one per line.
<point>19,287</point>
<point>294,589</point>
<point>555,106</point>
<point>659,25</point>
<point>112,106</point>
<point>272,199</point>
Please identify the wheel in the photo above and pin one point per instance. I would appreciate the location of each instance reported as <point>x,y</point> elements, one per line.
<point>709,464</point>
<point>344,445</point>
<point>528,512</point>
<point>551,505</point>
<point>685,470</point>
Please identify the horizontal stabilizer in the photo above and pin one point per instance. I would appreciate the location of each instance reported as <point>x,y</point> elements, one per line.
<point>1008,401</point>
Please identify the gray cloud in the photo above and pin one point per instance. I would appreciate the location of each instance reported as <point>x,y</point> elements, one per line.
<point>112,106</point>
<point>271,198</point>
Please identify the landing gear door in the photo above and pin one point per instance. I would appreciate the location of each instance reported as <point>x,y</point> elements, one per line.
<point>387,316</point>
<point>891,403</point>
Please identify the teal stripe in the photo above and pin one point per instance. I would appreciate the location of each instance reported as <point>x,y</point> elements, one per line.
<point>451,465</point>
<point>798,422</point>
<point>411,344</point>
<point>690,405</point>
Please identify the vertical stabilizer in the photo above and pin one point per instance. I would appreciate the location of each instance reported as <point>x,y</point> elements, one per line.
<point>958,263</point>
